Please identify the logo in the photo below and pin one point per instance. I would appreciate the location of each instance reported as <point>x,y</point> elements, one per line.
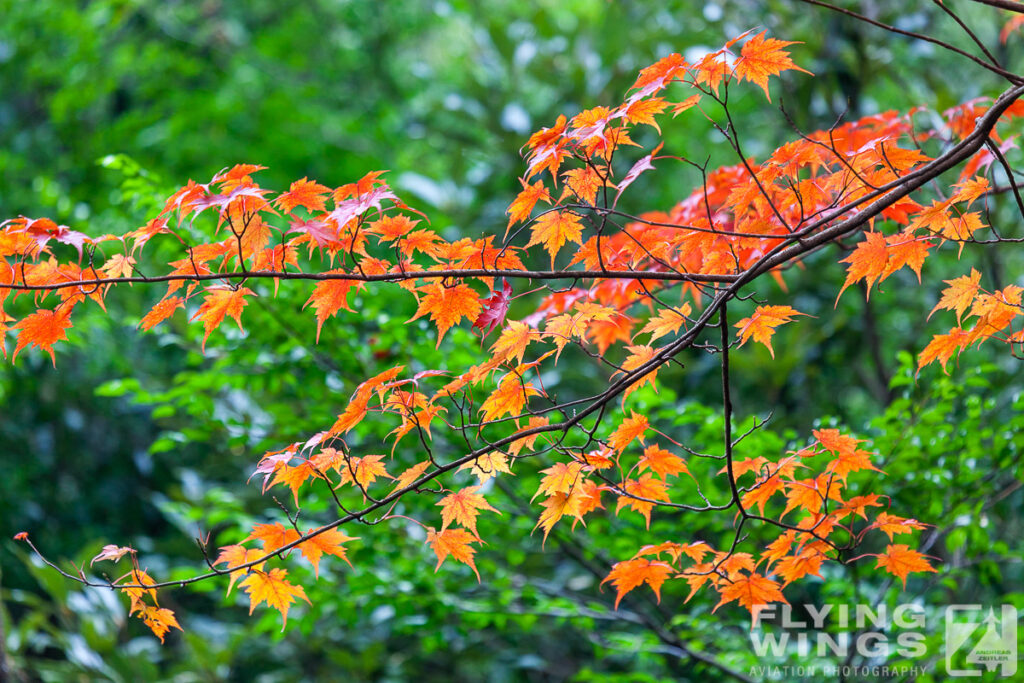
<point>808,642</point>
<point>980,642</point>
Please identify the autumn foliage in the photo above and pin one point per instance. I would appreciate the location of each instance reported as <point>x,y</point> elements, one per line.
<point>631,291</point>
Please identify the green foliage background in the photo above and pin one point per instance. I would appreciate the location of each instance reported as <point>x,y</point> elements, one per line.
<point>108,106</point>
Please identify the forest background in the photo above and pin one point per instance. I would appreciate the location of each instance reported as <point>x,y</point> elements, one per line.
<point>107,106</point>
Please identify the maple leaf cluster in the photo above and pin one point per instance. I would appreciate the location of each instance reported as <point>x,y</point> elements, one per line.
<point>654,283</point>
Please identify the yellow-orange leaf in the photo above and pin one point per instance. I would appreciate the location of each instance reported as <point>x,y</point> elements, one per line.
<point>584,183</point>
<point>137,593</point>
<point>554,229</point>
<point>761,58</point>
<point>858,505</point>
<point>118,265</point>
<point>960,294</point>
<point>272,588</point>
<point>410,475</point>
<point>761,325</point>
<point>627,575</point>
<point>42,329</point>
<point>325,543</point>
<point>638,357</point>
<point>160,620</point>
<point>512,342</point>
<point>221,302</point>
<point>667,321</point>
<point>810,494</point>
<point>463,507</point>
<point>557,506</point>
<point>524,202</point>
<point>330,296</point>
<point>640,493</point>
<point>454,542</point>
<point>661,462</point>
<point>753,592</point>
<point>527,442</point>
<point>235,555</point>
<point>900,560</point>
<point>559,478</point>
<point>632,427</point>
<point>273,536</point>
<point>161,312</point>
<point>644,111</point>
<point>447,306</point>
<point>488,465</point>
<point>363,471</point>
<point>893,525</point>
<point>867,262</point>
<point>509,398</point>
<point>793,567</point>
<point>942,347</point>
<point>306,193</point>
<point>761,493</point>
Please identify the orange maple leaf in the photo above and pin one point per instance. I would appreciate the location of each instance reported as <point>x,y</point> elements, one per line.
<point>632,427</point>
<point>160,620</point>
<point>900,560</point>
<point>118,265</point>
<point>456,543</point>
<point>639,355</point>
<point>867,262</point>
<point>524,202</point>
<point>584,497</point>
<point>893,525</point>
<point>305,193</point>
<point>559,478</point>
<point>363,471</point>
<point>235,555</point>
<point>463,507</point>
<point>272,588</point>
<point>273,536</point>
<point>761,58</point>
<point>761,325</point>
<point>762,492</point>
<point>753,592</point>
<point>161,312</point>
<point>512,341</point>
<point>648,488</point>
<point>406,478</point>
<point>858,505</point>
<point>554,229</point>
<point>942,347</point>
<point>330,296</point>
<point>662,462</point>
<point>509,398</point>
<point>667,321</point>
<point>221,302</point>
<point>959,295</point>
<point>584,183</point>
<point>42,329</point>
<point>488,466</point>
<point>138,592</point>
<point>327,542</point>
<point>627,575</point>
<point>447,306</point>
<point>644,111</point>
<point>793,567</point>
<point>810,494</point>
